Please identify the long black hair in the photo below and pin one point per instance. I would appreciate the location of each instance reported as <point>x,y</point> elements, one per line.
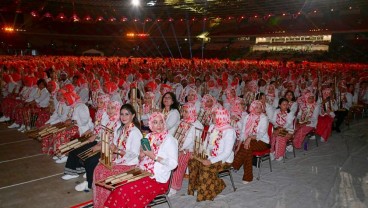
<point>292,93</point>
<point>283,100</point>
<point>175,104</point>
<point>259,95</point>
<point>131,109</point>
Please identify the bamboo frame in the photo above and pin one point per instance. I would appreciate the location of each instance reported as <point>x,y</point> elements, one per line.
<point>121,179</point>
<point>199,150</point>
<point>106,153</point>
<point>72,145</point>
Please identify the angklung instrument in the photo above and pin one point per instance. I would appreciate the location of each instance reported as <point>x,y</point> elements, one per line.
<point>89,152</point>
<point>40,134</point>
<point>72,145</point>
<point>121,179</point>
<point>204,117</point>
<point>200,147</point>
<point>181,132</point>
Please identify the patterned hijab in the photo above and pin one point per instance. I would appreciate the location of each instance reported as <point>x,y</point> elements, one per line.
<point>100,111</point>
<point>95,88</point>
<point>204,100</point>
<point>192,91</point>
<point>253,119</point>
<point>192,113</point>
<point>116,108</point>
<point>222,119</point>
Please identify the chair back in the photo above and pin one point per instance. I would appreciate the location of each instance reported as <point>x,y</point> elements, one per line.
<point>270,129</point>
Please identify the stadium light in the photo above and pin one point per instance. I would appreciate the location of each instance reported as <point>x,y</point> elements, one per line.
<point>135,2</point>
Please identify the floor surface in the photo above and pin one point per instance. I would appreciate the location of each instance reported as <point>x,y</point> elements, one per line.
<point>331,175</point>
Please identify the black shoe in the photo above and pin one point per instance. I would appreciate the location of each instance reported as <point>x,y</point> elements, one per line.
<point>338,130</point>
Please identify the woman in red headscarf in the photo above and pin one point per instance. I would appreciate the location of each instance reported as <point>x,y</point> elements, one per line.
<point>160,161</point>
<point>126,145</point>
<point>253,137</point>
<point>218,147</point>
<point>307,119</point>
<point>59,115</point>
<point>185,135</point>
<point>79,116</point>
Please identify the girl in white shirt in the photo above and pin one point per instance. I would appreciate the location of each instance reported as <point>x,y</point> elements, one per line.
<point>185,135</point>
<point>160,161</point>
<point>218,146</point>
<point>282,120</point>
<point>170,109</point>
<point>126,145</point>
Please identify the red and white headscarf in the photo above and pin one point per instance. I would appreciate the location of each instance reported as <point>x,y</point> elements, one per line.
<point>253,119</point>
<point>193,92</point>
<point>222,119</point>
<point>307,108</point>
<point>95,88</point>
<point>116,108</point>
<point>326,93</point>
<point>192,113</point>
<point>147,106</point>
<point>204,100</point>
<point>105,99</point>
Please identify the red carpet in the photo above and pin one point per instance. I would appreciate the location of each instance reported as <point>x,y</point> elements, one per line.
<point>87,204</point>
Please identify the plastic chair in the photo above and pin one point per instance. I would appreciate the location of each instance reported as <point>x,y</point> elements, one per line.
<point>162,198</point>
<point>290,141</point>
<point>263,155</point>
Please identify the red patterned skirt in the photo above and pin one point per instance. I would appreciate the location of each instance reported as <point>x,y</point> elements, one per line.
<point>136,194</point>
<point>52,142</point>
<point>100,194</point>
<point>324,126</point>
<point>43,115</point>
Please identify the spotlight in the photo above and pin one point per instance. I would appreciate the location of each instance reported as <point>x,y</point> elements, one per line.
<point>135,2</point>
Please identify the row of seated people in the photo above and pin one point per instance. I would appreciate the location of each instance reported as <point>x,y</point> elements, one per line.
<point>236,118</point>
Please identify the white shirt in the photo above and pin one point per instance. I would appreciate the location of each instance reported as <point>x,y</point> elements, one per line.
<point>289,125</point>
<point>190,136</point>
<point>60,114</point>
<point>225,152</point>
<point>82,117</point>
<point>262,129</point>
<point>84,94</point>
<point>42,98</point>
<point>313,119</point>
<point>133,145</point>
<point>32,95</point>
<point>173,121</point>
<point>169,153</point>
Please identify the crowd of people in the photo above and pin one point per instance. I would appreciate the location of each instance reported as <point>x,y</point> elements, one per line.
<point>229,106</point>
